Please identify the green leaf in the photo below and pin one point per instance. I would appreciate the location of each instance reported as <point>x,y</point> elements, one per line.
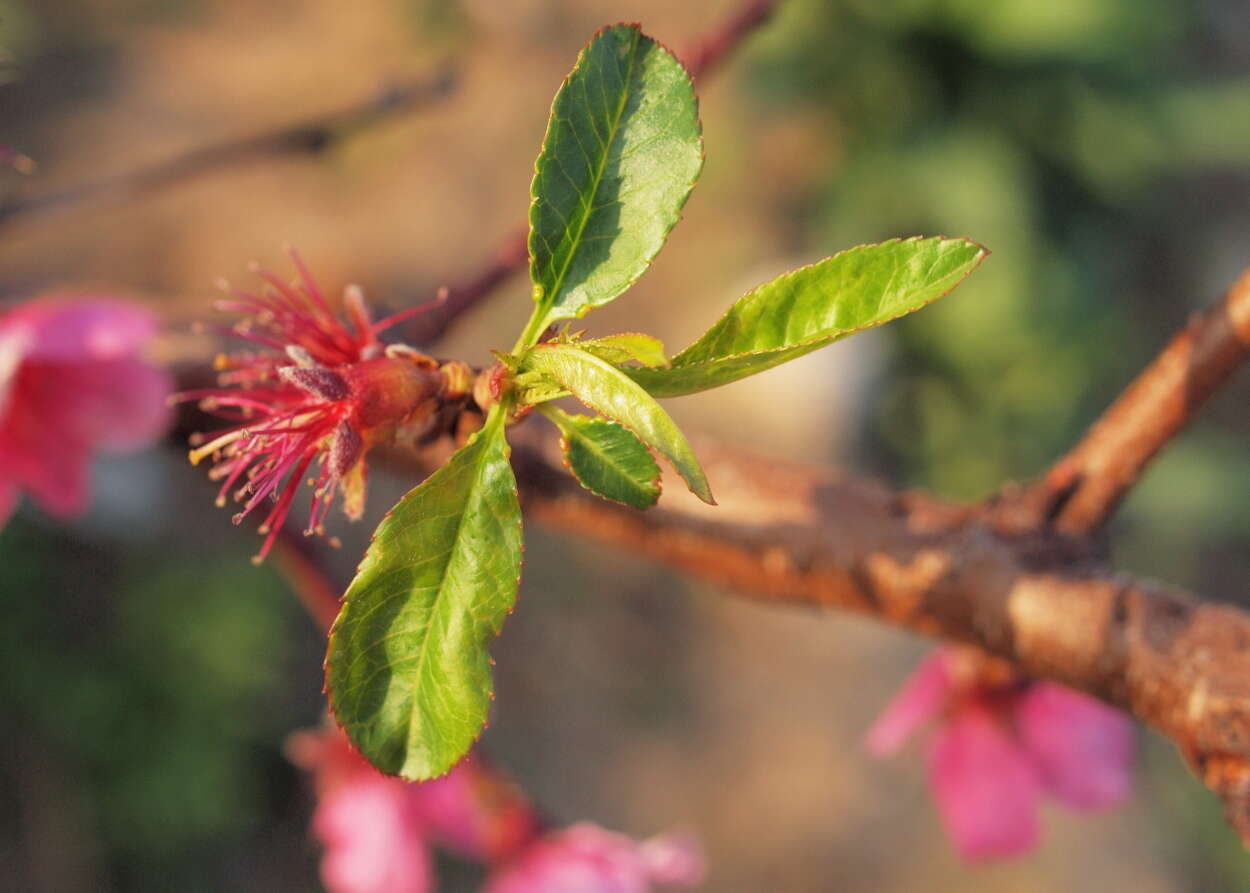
<point>535,388</point>
<point>609,391</point>
<point>622,152</point>
<point>607,459</point>
<point>814,306</point>
<point>628,347</point>
<point>407,670</point>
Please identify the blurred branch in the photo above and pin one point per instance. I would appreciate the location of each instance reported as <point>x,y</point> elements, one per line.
<point>705,54</point>
<point>511,258</point>
<point>306,138</point>
<point>298,563</point>
<point>708,52</point>
<point>1085,486</point>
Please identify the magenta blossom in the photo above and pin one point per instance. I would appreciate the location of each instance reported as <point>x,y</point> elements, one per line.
<point>310,402</point>
<point>71,383</point>
<point>1000,744</point>
<point>587,859</point>
<point>377,830</point>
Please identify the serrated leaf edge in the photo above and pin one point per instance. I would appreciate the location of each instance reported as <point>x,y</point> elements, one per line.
<point>982,254</point>
<point>709,499</point>
<point>656,483</point>
<point>343,606</point>
<point>698,119</point>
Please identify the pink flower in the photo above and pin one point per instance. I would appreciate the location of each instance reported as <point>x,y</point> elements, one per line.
<point>476,813</point>
<point>71,383</point>
<point>377,830</point>
<point>315,398</point>
<point>587,859</point>
<point>373,839</point>
<point>1000,744</point>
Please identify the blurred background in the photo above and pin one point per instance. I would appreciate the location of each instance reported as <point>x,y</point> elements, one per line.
<point>1100,148</point>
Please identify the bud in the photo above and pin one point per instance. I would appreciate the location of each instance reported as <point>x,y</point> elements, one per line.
<point>489,386</point>
<point>459,378</point>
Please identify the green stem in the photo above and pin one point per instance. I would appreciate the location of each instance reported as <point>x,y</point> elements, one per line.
<point>533,330</point>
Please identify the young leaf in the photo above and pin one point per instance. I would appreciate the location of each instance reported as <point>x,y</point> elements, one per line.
<point>607,390</point>
<point>607,459</point>
<point>622,152</point>
<point>535,388</point>
<point>814,306</point>
<point>628,347</point>
<point>407,670</point>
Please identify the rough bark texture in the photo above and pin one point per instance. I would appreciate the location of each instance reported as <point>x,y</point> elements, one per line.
<point>793,534</point>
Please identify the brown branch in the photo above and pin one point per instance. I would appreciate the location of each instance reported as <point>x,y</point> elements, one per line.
<point>306,138</point>
<point>795,535</point>
<point>708,52</point>
<point>703,55</point>
<point>511,258</point>
<point>1085,486</point>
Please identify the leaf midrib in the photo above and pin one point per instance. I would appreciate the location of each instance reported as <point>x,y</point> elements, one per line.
<point>681,361</point>
<point>647,489</point>
<point>442,588</point>
<point>598,178</point>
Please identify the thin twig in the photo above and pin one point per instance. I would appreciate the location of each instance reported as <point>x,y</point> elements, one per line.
<point>298,564</point>
<point>310,137</point>
<point>1085,486</point>
<point>511,258</point>
<point>708,52</point>
<point>703,55</point>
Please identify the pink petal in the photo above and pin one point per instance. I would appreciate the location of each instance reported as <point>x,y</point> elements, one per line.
<point>118,404</point>
<point>372,842</point>
<point>475,812</point>
<point>12,352</point>
<point>1083,748</point>
<point>51,467</point>
<point>922,698</point>
<point>674,859</point>
<point>70,382</point>
<point>581,859</point>
<point>78,329</point>
<point>58,413</point>
<point>373,838</point>
<point>986,787</point>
